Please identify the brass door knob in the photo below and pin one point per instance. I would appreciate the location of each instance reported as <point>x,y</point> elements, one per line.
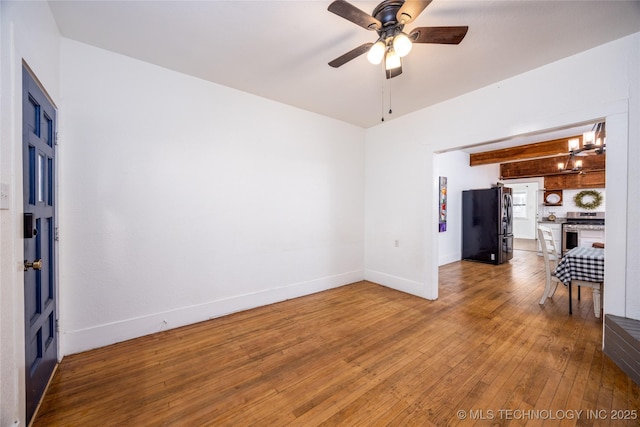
<point>36,265</point>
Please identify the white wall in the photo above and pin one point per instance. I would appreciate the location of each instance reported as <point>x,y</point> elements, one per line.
<point>460,176</point>
<point>568,205</point>
<point>547,98</point>
<point>398,173</point>
<point>632,196</point>
<point>27,32</point>
<point>183,200</point>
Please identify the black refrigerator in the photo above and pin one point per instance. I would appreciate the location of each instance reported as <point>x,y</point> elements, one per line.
<point>487,225</point>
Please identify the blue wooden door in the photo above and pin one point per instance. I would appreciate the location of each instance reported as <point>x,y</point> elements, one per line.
<point>41,337</point>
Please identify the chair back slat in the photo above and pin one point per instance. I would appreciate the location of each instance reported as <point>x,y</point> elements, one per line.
<point>549,249</point>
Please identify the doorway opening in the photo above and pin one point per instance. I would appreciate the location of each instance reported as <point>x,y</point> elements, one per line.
<point>525,214</point>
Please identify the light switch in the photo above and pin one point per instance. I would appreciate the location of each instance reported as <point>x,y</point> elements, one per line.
<point>4,195</point>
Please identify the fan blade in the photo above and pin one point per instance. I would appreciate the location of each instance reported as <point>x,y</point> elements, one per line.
<point>410,10</point>
<point>441,35</point>
<point>352,54</point>
<point>351,13</point>
<point>394,72</point>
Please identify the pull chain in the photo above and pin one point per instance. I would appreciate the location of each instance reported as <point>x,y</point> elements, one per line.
<point>390,111</point>
<point>382,103</point>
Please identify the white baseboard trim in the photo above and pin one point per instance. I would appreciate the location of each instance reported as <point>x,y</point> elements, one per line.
<point>394,282</point>
<point>80,340</point>
<point>448,259</point>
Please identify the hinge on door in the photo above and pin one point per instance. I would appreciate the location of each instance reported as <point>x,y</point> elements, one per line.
<point>56,236</point>
<point>57,326</point>
<point>55,138</point>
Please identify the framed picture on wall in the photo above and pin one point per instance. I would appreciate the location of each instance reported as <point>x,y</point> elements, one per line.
<point>442,205</point>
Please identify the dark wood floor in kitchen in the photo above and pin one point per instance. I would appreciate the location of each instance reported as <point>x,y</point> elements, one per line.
<point>484,353</point>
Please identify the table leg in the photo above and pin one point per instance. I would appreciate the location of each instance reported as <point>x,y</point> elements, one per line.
<point>570,312</point>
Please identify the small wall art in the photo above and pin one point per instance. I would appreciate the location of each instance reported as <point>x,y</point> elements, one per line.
<point>442,205</point>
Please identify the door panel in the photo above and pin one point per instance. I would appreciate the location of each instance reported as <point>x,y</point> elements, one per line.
<point>41,341</point>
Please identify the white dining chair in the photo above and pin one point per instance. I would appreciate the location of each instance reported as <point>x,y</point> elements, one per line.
<point>551,257</point>
<point>596,287</point>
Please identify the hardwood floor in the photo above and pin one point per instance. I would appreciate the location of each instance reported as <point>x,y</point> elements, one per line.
<point>525,244</point>
<point>484,353</point>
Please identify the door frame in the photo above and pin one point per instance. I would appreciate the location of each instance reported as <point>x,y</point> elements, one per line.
<point>536,203</point>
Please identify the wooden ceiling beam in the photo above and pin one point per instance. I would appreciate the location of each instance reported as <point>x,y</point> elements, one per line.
<point>553,147</point>
<point>594,179</point>
<point>549,166</point>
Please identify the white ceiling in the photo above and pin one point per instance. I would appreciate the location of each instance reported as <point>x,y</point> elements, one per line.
<point>280,49</point>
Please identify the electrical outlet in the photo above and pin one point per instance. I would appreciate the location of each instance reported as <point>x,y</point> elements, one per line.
<point>396,243</point>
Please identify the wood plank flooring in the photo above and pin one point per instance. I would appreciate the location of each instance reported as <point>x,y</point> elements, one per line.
<point>484,353</point>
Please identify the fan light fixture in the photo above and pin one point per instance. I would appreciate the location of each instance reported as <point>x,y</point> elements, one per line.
<point>394,49</point>
<point>388,19</point>
<point>402,45</point>
<point>593,142</point>
<point>376,53</point>
<point>392,60</point>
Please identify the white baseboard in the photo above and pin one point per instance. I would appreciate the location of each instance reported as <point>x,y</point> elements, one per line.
<point>102,335</point>
<point>398,283</point>
<point>448,258</point>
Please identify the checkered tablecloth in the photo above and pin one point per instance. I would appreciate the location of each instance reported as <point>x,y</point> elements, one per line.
<point>581,263</point>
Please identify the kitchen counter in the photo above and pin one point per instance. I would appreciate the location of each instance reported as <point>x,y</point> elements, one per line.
<point>557,221</point>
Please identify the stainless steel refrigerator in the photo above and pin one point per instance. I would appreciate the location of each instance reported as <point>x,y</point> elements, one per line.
<point>487,225</point>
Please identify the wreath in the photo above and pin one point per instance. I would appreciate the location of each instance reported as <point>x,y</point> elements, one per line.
<point>596,199</point>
